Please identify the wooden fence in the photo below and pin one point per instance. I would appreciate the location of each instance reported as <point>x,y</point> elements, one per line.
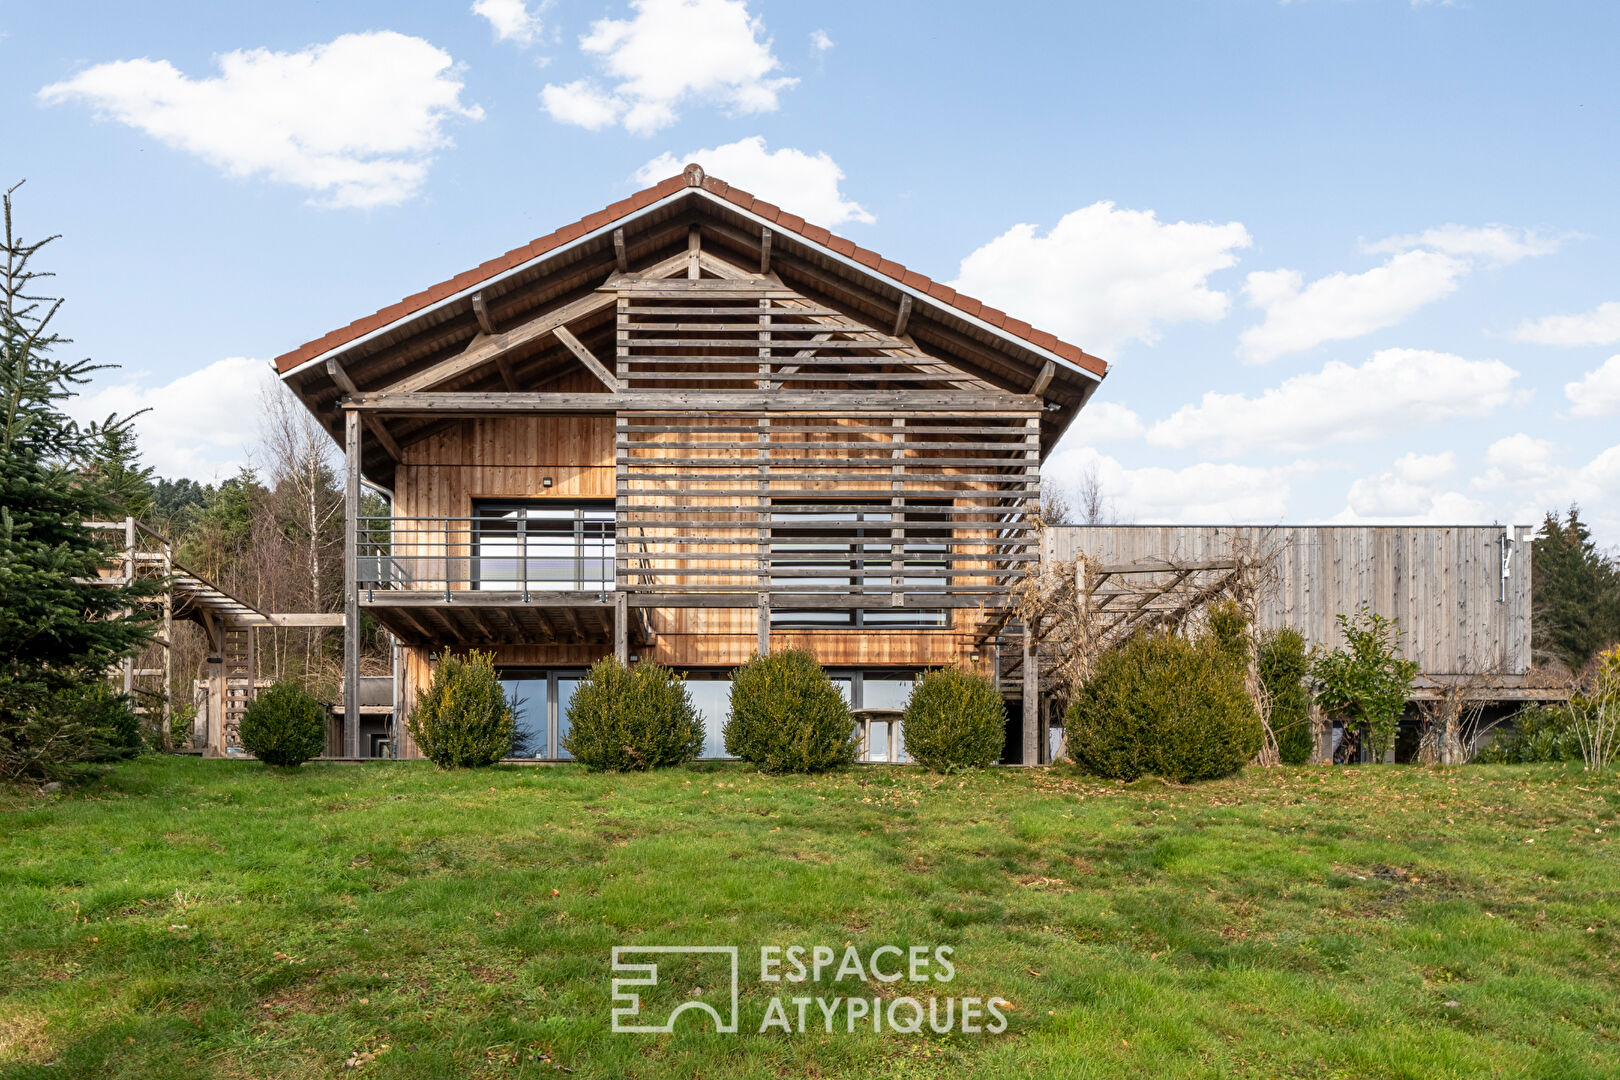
<point>1461,592</point>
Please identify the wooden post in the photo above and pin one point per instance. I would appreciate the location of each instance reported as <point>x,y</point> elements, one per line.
<point>621,626</point>
<point>1032,700</point>
<point>351,591</point>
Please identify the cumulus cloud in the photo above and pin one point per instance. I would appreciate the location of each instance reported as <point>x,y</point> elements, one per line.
<point>819,40</point>
<point>356,121</point>
<point>198,425</point>
<point>1203,493</point>
<point>1341,306</point>
<point>1422,268</point>
<point>1600,326</point>
<point>804,184</point>
<point>1597,393</point>
<point>511,20</point>
<point>668,53</point>
<point>1410,492</point>
<point>1340,403</point>
<point>1108,421</point>
<point>1103,277</point>
<point>1499,244</point>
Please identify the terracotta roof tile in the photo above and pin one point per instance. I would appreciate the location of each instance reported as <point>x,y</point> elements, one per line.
<point>814,234</point>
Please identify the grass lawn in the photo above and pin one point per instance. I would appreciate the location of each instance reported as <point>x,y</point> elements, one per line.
<point>213,918</point>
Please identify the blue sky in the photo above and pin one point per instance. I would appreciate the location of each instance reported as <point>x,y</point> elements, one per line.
<point>1350,259</point>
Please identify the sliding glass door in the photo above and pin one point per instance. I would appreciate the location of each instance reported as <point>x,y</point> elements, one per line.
<point>540,700</point>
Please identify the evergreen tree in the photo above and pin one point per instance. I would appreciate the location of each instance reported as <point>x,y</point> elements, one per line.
<point>1575,591</point>
<point>59,632</point>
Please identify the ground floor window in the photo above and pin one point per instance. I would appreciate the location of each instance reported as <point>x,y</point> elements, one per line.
<point>540,700</point>
<point>883,689</point>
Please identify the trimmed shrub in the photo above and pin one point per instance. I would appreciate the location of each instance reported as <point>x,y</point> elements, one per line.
<point>1285,664</point>
<point>284,726</point>
<point>464,719</point>
<point>1539,733</point>
<point>1165,705</point>
<point>954,720</point>
<point>632,719</point>
<point>787,716</point>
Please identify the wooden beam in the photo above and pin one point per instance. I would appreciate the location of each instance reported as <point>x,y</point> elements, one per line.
<point>1043,380</point>
<point>373,424</point>
<point>621,258</point>
<point>481,313</point>
<point>486,348</point>
<point>903,316</point>
<point>765,251</point>
<point>621,626</point>
<point>830,402</point>
<point>351,584</point>
<point>694,246</point>
<point>587,358</point>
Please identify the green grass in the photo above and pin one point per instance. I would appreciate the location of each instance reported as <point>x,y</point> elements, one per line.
<point>213,918</point>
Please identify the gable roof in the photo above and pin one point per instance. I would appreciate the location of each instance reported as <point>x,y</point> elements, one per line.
<point>693,181</point>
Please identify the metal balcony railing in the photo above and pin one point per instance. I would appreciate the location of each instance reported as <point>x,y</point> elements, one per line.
<point>495,553</point>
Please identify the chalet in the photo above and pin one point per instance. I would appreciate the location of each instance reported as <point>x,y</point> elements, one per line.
<point>687,428</point>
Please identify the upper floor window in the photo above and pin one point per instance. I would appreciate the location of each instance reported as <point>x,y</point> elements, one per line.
<point>545,546</point>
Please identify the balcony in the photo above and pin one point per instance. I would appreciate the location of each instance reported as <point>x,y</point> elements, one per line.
<point>509,574</point>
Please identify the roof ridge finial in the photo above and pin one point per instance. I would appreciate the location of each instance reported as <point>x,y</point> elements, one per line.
<point>693,174</point>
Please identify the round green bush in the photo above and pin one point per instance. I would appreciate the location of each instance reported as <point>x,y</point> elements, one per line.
<point>787,716</point>
<point>284,726</point>
<point>463,720</point>
<point>954,720</point>
<point>631,719</point>
<point>1162,704</point>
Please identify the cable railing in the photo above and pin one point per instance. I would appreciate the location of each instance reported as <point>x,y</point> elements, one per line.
<point>508,553</point>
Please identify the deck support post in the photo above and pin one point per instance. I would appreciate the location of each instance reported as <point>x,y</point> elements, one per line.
<point>621,626</point>
<point>1032,700</point>
<point>351,584</point>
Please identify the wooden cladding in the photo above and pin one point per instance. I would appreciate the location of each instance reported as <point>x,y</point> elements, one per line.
<point>914,508</point>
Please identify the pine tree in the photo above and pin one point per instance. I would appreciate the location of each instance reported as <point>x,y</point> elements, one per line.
<point>1575,591</point>
<point>59,632</point>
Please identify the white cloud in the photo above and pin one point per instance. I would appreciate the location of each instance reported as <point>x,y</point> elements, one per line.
<point>668,53</point>
<point>200,425</point>
<point>1422,268</point>
<point>1499,244</point>
<point>1597,393</point>
<point>1103,277</point>
<point>1341,306</point>
<point>819,40</point>
<point>1108,421</point>
<point>1600,326</point>
<point>801,183</point>
<point>1203,493</point>
<point>581,104</point>
<point>1410,492</point>
<point>355,120</point>
<point>1340,403</point>
<point>511,20</point>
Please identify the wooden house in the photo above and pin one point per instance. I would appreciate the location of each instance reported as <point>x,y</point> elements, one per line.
<point>687,428</point>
